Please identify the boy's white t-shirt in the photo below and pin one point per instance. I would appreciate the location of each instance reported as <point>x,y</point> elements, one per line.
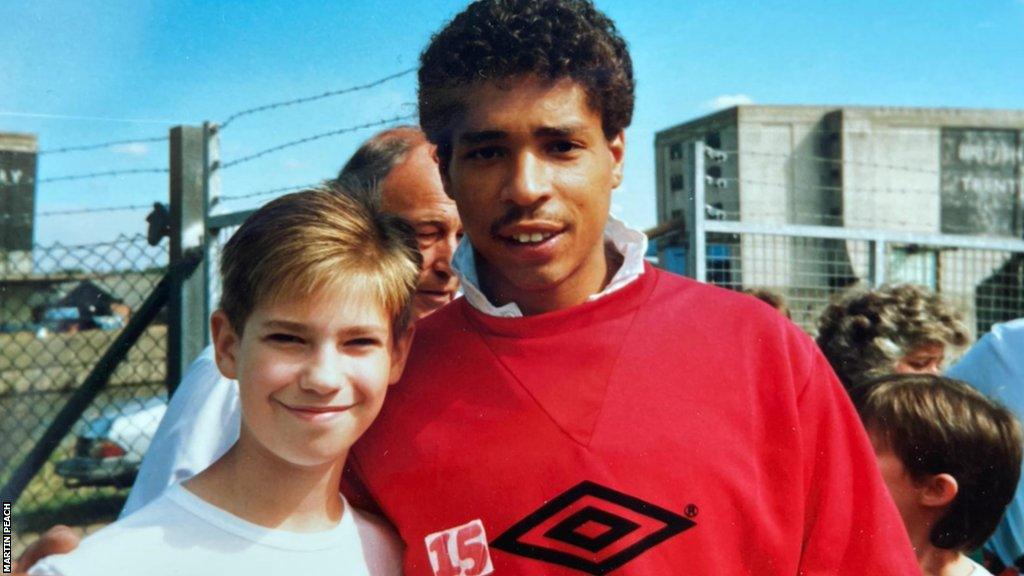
<point>181,534</point>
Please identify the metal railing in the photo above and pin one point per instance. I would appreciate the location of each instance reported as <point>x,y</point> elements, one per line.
<point>808,264</point>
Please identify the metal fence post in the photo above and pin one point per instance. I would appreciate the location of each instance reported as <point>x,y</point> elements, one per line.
<point>876,262</point>
<point>211,196</point>
<point>696,253</point>
<point>186,302</point>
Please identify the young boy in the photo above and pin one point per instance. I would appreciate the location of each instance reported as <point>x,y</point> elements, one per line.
<point>951,459</point>
<point>315,325</point>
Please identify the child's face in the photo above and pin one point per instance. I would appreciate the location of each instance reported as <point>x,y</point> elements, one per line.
<point>312,372</point>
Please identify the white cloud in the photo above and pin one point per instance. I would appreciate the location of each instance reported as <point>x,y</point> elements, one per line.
<point>132,149</point>
<point>293,164</point>
<point>727,101</point>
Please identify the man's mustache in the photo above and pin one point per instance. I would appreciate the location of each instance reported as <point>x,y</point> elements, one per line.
<point>518,214</point>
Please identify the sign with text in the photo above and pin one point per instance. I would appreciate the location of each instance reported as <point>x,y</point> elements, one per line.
<point>981,181</point>
<point>17,199</point>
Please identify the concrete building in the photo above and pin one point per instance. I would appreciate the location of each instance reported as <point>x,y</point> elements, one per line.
<point>911,170</point>
<point>17,201</point>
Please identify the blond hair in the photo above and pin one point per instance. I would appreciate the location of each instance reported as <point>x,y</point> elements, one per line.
<point>317,239</point>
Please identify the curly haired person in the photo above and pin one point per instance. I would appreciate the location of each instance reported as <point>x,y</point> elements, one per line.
<point>898,329</point>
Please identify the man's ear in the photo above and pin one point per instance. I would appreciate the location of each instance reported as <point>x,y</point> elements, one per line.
<point>400,353</point>
<point>938,490</point>
<point>225,344</point>
<point>617,146</point>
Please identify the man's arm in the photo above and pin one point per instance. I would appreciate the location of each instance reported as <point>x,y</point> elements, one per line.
<point>851,525</point>
<point>201,423</point>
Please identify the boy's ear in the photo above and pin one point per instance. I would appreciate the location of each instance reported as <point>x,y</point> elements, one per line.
<point>400,353</point>
<point>225,344</point>
<point>938,491</point>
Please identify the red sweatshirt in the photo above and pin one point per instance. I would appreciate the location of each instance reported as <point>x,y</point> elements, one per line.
<point>667,428</point>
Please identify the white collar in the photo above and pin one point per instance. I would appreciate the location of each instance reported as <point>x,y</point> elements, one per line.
<point>631,243</point>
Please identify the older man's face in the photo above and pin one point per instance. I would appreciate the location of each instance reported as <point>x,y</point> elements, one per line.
<point>414,192</point>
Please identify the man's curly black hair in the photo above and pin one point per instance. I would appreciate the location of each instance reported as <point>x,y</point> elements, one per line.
<point>497,40</point>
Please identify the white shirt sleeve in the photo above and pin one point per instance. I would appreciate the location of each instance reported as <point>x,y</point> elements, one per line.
<point>201,423</point>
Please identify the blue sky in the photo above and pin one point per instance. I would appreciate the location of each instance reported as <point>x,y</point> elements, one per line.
<point>132,69</point>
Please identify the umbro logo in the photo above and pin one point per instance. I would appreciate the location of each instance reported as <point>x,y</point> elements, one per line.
<point>591,528</point>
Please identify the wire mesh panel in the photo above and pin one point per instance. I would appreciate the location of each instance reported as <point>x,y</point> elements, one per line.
<point>987,285</point>
<point>57,318</point>
<point>805,271</point>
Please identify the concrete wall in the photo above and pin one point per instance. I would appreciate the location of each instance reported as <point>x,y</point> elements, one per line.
<point>17,201</point>
<point>867,168</point>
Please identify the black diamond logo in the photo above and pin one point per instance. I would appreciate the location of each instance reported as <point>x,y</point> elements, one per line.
<point>615,527</point>
<point>591,528</point>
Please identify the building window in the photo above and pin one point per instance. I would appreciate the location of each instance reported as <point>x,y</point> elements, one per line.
<point>676,182</point>
<point>713,139</point>
<point>675,151</point>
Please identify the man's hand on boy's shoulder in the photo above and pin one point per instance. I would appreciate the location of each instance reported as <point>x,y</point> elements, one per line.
<point>57,540</point>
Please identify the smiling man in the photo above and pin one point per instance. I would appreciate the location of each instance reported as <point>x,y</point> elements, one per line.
<point>533,158</point>
<point>580,412</point>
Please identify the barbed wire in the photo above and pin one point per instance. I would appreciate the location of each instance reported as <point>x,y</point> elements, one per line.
<point>128,208</point>
<point>843,161</point>
<point>102,174</point>
<point>75,211</point>
<point>282,190</point>
<point>679,135</point>
<point>306,99</point>
<point>100,145</point>
<point>338,132</point>
<point>848,188</point>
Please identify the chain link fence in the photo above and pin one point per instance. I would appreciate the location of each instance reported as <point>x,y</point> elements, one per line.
<point>60,309</point>
<point>986,284</point>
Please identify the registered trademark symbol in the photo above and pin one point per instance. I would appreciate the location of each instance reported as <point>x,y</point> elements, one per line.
<point>691,511</point>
